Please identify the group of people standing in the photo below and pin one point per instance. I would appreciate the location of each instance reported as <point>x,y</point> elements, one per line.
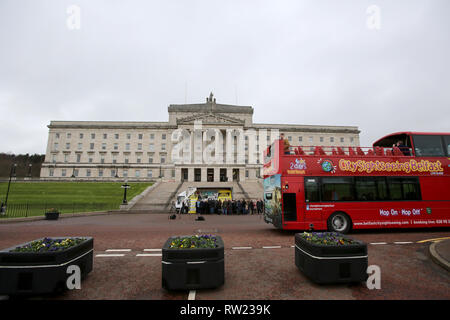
<point>227,207</point>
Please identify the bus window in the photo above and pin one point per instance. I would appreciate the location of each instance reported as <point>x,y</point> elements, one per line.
<point>428,146</point>
<point>447,144</point>
<point>370,188</point>
<point>312,189</point>
<point>404,188</point>
<point>337,189</point>
<point>411,189</point>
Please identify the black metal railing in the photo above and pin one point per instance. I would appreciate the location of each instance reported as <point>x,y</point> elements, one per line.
<point>19,210</point>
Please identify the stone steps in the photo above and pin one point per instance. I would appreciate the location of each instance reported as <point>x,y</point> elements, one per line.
<point>159,198</point>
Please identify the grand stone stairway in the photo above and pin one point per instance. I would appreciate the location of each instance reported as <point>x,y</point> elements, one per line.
<point>159,198</point>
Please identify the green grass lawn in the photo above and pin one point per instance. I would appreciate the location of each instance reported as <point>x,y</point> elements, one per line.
<point>33,198</point>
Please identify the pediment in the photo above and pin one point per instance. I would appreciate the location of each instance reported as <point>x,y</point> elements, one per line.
<point>210,118</point>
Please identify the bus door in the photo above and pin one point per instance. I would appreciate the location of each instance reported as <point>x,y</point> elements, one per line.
<point>290,201</point>
<point>310,192</point>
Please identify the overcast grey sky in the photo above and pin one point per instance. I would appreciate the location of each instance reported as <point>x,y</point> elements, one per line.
<point>380,65</point>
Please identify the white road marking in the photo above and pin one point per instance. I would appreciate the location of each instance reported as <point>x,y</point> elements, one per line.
<point>271,247</point>
<point>152,250</point>
<point>110,255</point>
<point>118,250</point>
<point>377,243</point>
<point>403,242</point>
<point>191,295</point>
<point>241,248</point>
<point>149,255</point>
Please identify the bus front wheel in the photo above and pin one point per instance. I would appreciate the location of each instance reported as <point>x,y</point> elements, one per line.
<point>339,222</point>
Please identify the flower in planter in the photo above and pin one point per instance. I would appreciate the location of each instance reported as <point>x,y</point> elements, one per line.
<point>196,241</point>
<point>327,238</point>
<point>53,210</point>
<point>49,245</point>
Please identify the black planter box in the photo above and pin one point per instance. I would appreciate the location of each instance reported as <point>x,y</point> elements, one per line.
<point>23,273</point>
<point>328,264</point>
<point>51,215</point>
<point>197,268</point>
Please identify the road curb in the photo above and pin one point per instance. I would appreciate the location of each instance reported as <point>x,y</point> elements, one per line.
<point>437,258</point>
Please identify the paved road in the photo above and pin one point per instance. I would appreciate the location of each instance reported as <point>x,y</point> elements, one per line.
<point>259,260</point>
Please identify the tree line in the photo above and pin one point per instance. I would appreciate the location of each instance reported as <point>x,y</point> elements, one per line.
<point>23,162</point>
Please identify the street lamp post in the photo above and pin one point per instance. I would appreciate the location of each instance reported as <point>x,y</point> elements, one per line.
<point>125,186</point>
<point>29,170</point>
<point>12,173</point>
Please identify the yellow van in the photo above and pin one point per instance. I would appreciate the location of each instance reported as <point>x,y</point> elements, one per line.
<point>224,195</point>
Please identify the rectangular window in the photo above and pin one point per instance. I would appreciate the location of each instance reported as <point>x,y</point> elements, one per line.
<point>102,159</point>
<point>312,189</point>
<point>63,172</point>
<point>370,188</point>
<point>88,172</point>
<point>321,139</point>
<point>80,146</point>
<point>149,174</point>
<point>81,136</point>
<point>103,146</point>
<point>332,139</point>
<point>140,136</point>
<point>53,158</point>
<point>163,136</point>
<point>342,140</point>
<point>152,136</point>
<point>66,157</point>
<point>51,172</point>
<point>337,189</point>
<point>404,188</point>
<point>125,173</point>
<point>127,146</point>
<point>100,173</point>
<point>126,160</point>
<point>163,147</point>
<point>116,135</point>
<point>105,136</point>
<point>113,173</point>
<point>163,159</point>
<point>55,146</point>
<point>447,145</point>
<point>139,146</point>
<point>69,135</point>
<point>128,136</point>
<point>78,157</point>
<point>428,146</point>
<point>151,147</point>
<point>137,173</point>
<point>92,135</point>
<point>311,139</point>
<point>67,146</point>
<point>57,135</point>
<point>116,146</point>
<point>300,139</point>
<point>92,146</point>
<point>91,160</point>
<point>150,160</point>
<point>138,160</point>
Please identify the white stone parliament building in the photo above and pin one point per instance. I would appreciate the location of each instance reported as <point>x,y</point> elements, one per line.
<point>142,151</point>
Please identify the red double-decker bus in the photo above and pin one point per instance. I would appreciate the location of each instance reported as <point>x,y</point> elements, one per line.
<point>344,188</point>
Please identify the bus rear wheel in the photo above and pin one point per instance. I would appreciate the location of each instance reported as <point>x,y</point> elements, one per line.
<point>339,222</point>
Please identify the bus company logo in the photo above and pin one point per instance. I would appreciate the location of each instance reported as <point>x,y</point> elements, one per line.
<point>327,165</point>
<point>297,167</point>
<point>379,166</point>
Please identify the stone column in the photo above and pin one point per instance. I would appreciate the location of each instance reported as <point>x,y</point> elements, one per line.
<point>230,174</point>
<point>190,174</point>
<point>204,177</point>
<point>216,174</point>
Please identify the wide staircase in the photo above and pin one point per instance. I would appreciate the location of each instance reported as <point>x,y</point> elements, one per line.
<point>159,199</point>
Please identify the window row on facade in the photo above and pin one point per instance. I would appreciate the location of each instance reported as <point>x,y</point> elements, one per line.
<point>117,136</point>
